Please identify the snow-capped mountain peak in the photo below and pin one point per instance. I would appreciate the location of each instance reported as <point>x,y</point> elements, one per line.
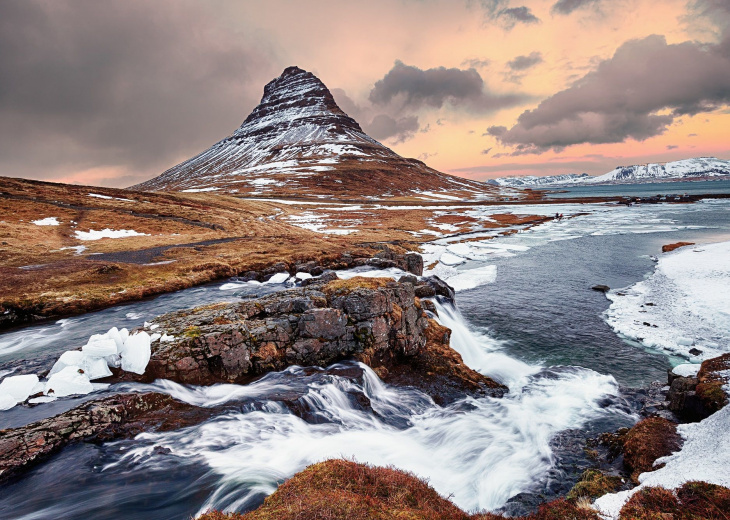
<point>298,141</point>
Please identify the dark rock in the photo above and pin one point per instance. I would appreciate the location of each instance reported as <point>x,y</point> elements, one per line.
<point>101,420</point>
<point>440,287</point>
<point>414,263</point>
<point>425,291</point>
<point>601,288</point>
<point>327,276</point>
<point>276,268</point>
<point>408,279</point>
<point>429,306</point>
<point>695,351</point>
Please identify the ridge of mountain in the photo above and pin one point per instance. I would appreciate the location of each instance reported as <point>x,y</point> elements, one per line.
<point>298,142</point>
<point>684,169</point>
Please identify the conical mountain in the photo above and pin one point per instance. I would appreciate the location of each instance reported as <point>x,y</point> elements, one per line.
<point>298,142</point>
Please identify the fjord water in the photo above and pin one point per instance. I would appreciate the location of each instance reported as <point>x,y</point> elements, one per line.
<point>538,328</point>
<point>650,189</point>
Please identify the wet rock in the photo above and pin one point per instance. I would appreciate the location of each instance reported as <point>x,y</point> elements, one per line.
<point>373,320</point>
<point>601,288</point>
<point>315,325</point>
<point>425,291</point>
<point>408,279</point>
<point>101,420</point>
<point>429,306</point>
<point>683,399</point>
<point>440,287</point>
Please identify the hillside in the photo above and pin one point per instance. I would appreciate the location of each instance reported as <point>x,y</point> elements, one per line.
<point>298,142</point>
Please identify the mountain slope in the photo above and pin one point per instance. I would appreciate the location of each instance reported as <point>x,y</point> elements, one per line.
<point>532,181</point>
<point>297,141</point>
<point>684,169</point>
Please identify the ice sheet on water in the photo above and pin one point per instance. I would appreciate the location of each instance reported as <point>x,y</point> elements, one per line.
<point>683,305</point>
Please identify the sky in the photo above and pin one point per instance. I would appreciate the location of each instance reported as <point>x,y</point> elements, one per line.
<point>112,93</point>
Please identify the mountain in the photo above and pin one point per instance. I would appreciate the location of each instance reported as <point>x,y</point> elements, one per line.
<point>685,169</point>
<point>676,170</point>
<point>298,142</point>
<point>533,181</point>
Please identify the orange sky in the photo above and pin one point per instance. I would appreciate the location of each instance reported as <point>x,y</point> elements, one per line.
<point>351,45</point>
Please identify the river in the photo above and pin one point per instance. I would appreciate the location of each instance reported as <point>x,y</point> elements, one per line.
<point>537,327</point>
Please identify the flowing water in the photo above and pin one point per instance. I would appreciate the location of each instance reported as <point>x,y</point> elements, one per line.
<point>537,328</point>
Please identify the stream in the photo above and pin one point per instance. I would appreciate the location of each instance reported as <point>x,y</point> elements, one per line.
<point>538,328</point>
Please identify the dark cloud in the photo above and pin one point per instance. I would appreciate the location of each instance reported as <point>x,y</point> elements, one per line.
<point>131,85</point>
<point>496,131</point>
<point>514,15</point>
<point>692,135</point>
<point>426,155</point>
<point>636,94</point>
<point>411,88</point>
<point>521,63</point>
<point>568,6</point>
<point>672,147</point>
<point>476,63</point>
<point>378,125</point>
<point>486,152</point>
<point>385,127</point>
<point>499,11</point>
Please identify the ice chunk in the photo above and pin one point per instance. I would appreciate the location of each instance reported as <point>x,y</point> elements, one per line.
<point>450,259</point>
<point>136,353</point>
<point>19,387</point>
<point>278,278</point>
<point>117,337</point>
<point>68,358</point>
<point>42,399</point>
<point>167,339</point>
<point>303,276</point>
<point>7,401</point>
<point>124,333</point>
<point>94,367</point>
<point>686,342</point>
<point>71,380</point>
<point>155,337</point>
<point>99,345</point>
<point>114,360</point>
<point>687,369</point>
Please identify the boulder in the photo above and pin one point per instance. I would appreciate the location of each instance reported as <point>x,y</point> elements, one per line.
<point>115,417</point>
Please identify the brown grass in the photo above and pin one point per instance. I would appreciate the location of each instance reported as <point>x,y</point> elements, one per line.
<point>647,441</point>
<point>693,501</point>
<point>671,247</point>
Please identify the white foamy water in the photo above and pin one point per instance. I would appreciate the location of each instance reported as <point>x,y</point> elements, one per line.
<point>479,451</point>
<point>683,305</point>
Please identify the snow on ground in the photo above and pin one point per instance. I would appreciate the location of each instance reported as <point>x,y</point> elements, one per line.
<point>317,222</point>
<point>683,305</point>
<point>48,221</point>
<point>99,196</point>
<point>705,456</point>
<point>108,233</point>
<point>200,190</point>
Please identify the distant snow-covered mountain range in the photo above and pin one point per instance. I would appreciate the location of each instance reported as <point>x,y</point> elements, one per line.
<point>685,169</point>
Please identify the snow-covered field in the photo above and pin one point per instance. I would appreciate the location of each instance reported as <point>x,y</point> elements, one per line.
<point>683,307</point>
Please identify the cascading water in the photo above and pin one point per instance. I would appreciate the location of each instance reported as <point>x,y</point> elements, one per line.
<point>481,452</point>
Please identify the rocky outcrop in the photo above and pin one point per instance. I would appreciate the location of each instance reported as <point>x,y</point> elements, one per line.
<point>106,419</point>
<point>694,398</point>
<point>373,320</point>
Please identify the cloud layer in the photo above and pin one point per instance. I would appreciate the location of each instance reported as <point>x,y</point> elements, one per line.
<point>636,94</point>
<point>89,83</point>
